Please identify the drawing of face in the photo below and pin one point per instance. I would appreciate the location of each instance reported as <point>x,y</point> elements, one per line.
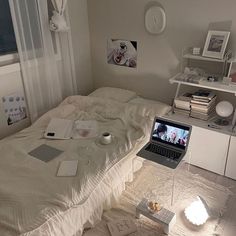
<point>173,134</point>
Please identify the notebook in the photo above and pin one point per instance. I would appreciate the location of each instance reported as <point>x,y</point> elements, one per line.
<point>45,153</point>
<point>68,168</point>
<point>66,129</point>
<point>59,129</point>
<point>168,142</point>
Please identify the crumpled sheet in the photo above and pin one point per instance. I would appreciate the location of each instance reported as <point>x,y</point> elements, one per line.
<point>33,199</point>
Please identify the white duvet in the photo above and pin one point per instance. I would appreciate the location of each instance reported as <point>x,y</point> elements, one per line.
<point>30,192</point>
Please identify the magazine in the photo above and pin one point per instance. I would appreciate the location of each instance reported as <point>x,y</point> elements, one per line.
<point>122,227</point>
<point>204,102</point>
<point>66,129</point>
<point>203,94</point>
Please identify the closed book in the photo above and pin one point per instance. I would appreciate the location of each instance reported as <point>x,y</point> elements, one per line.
<point>181,111</point>
<point>204,102</point>
<point>202,108</point>
<point>122,227</point>
<point>202,116</point>
<point>184,107</point>
<point>204,94</point>
<point>183,101</point>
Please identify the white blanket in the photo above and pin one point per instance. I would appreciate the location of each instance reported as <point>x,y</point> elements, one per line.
<point>30,192</point>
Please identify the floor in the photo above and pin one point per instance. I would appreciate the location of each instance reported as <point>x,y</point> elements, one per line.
<point>226,225</point>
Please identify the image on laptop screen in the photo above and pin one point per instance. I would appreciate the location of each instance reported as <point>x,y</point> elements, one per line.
<point>168,133</point>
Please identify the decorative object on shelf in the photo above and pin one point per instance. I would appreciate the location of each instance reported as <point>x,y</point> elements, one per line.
<point>155,19</point>
<point>196,51</point>
<point>215,44</point>
<point>122,52</point>
<point>234,119</point>
<point>224,109</point>
<point>198,212</point>
<point>58,22</point>
<point>191,75</point>
<point>232,72</point>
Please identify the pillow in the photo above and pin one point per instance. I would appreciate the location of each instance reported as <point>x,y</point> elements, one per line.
<point>156,108</point>
<point>117,94</point>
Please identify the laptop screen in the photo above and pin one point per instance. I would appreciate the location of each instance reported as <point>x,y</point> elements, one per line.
<point>170,133</point>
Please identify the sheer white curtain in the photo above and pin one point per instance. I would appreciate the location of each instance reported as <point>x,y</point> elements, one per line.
<point>59,5</point>
<point>46,80</point>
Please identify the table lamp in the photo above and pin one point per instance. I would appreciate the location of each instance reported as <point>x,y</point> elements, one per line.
<point>224,109</point>
<point>197,212</point>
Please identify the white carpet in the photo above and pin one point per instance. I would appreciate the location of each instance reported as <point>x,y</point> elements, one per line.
<point>156,182</point>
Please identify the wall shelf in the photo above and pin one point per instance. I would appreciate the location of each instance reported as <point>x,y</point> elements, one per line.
<point>199,57</point>
<point>203,83</point>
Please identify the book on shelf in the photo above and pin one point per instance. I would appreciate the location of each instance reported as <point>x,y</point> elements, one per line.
<point>202,109</point>
<point>203,95</point>
<point>183,101</point>
<point>202,116</point>
<point>181,111</point>
<point>204,102</point>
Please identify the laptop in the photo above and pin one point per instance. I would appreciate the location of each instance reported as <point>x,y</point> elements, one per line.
<point>168,142</point>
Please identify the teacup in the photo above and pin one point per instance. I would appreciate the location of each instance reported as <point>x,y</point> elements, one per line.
<point>106,138</point>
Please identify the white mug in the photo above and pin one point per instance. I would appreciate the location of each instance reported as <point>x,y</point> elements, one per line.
<point>106,138</point>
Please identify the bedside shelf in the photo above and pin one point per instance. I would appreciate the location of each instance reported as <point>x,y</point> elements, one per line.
<point>199,57</point>
<point>201,123</point>
<point>203,83</point>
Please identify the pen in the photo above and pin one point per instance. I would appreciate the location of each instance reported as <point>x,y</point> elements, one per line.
<point>213,126</point>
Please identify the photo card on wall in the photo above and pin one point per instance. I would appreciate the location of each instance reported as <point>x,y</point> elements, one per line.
<point>15,107</point>
<point>122,52</point>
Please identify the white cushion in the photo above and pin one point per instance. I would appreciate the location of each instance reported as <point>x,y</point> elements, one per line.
<point>155,107</point>
<point>117,94</point>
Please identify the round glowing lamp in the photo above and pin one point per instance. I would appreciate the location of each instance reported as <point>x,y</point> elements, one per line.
<point>224,109</point>
<point>197,212</point>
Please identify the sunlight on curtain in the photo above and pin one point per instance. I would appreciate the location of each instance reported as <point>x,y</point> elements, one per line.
<point>45,80</point>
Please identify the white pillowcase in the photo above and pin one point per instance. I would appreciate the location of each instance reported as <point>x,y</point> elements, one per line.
<point>117,94</point>
<point>155,107</point>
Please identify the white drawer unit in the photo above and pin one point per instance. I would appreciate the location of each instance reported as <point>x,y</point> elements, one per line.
<point>231,162</point>
<point>208,149</point>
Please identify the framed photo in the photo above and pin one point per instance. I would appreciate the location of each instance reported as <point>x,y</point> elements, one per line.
<point>232,72</point>
<point>122,52</point>
<point>215,44</point>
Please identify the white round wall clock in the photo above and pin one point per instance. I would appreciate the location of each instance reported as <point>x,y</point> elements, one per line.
<point>155,20</point>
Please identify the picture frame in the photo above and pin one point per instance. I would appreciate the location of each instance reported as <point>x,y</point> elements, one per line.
<point>216,43</point>
<point>232,72</point>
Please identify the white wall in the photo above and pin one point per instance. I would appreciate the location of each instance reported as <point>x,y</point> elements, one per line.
<point>81,44</point>
<point>10,83</point>
<point>158,56</point>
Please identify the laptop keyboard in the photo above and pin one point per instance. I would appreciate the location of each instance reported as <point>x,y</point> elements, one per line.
<point>163,151</point>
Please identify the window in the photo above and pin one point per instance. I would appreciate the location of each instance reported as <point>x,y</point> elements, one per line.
<point>8,47</point>
<point>7,36</point>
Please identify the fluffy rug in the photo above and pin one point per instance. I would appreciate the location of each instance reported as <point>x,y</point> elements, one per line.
<point>175,190</point>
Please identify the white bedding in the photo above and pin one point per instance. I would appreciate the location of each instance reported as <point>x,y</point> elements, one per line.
<point>35,202</point>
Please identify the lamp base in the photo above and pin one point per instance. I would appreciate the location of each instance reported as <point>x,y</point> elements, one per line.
<point>221,122</point>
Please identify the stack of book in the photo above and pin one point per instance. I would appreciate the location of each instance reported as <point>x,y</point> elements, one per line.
<point>203,104</point>
<point>182,104</point>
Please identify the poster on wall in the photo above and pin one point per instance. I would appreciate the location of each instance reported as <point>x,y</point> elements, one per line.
<point>122,52</point>
<point>14,107</point>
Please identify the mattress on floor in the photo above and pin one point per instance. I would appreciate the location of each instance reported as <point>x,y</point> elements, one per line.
<point>34,201</point>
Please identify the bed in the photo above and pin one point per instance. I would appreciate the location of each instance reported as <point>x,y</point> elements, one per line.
<point>34,201</point>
